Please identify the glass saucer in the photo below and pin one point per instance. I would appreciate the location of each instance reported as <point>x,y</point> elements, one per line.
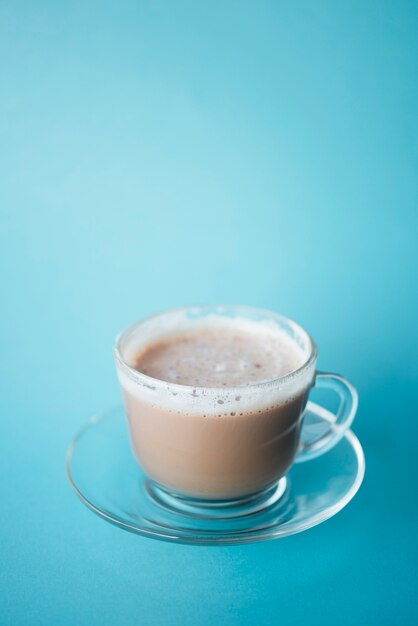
<point>107,479</point>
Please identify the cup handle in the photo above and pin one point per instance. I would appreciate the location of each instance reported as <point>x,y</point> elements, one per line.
<point>343,417</point>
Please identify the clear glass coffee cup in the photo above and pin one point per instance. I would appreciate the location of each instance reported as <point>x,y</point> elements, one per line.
<point>224,446</point>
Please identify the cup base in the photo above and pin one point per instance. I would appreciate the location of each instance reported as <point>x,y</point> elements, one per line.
<point>215,509</point>
<point>106,478</point>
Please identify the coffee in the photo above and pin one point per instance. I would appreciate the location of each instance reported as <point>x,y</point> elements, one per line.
<point>203,420</point>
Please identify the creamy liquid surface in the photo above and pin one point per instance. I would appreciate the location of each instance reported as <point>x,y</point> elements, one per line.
<point>216,357</point>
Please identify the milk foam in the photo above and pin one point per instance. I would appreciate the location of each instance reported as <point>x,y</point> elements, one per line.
<point>216,357</point>
<point>241,392</point>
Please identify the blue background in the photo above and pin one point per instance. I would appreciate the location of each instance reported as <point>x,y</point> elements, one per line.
<point>156,154</point>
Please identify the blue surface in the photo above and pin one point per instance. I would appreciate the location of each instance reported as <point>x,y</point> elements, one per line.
<point>155,154</point>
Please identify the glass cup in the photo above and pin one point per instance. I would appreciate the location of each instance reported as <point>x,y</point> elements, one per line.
<point>223,447</point>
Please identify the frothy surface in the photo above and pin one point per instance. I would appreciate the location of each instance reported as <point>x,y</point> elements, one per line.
<point>217,357</point>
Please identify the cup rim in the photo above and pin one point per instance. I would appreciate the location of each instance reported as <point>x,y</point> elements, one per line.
<point>155,383</point>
